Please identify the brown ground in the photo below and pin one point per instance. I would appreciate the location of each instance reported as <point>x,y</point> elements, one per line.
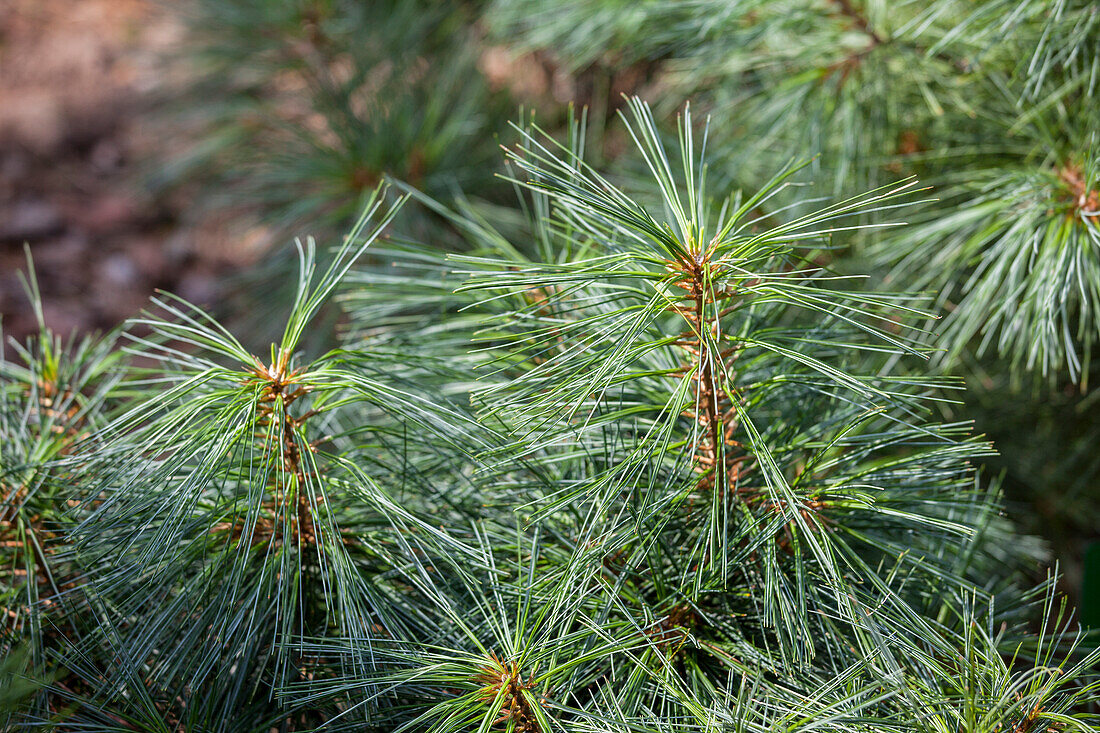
<point>79,81</point>
<point>80,85</point>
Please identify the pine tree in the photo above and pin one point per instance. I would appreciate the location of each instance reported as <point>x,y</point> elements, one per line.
<point>638,453</point>
<point>993,104</point>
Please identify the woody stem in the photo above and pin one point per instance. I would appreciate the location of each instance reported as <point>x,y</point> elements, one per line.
<point>292,460</point>
<point>715,467</point>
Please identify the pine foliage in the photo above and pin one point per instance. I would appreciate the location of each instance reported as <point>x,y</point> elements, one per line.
<point>638,453</point>
<point>645,467</point>
<point>993,102</point>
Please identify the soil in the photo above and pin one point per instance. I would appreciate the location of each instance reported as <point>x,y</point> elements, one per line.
<point>84,85</point>
<point>80,84</point>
